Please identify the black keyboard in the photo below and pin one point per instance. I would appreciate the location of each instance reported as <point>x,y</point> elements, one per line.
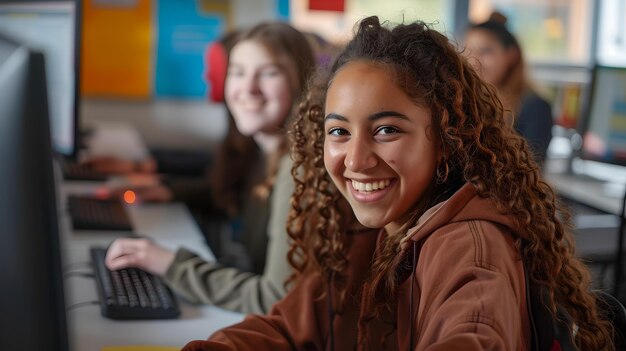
<point>131,293</point>
<point>98,214</point>
<point>77,171</point>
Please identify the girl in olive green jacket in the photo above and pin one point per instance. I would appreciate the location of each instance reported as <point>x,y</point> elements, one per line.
<point>268,67</point>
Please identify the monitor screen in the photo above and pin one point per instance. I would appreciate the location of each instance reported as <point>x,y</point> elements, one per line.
<point>604,130</point>
<point>32,304</point>
<point>51,27</point>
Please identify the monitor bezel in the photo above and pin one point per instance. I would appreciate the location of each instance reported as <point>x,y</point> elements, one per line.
<point>77,66</point>
<point>587,118</point>
<point>44,214</point>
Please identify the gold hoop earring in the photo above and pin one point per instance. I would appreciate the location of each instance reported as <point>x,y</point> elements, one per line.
<point>442,171</point>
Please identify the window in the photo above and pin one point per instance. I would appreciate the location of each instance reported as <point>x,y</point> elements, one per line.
<point>612,33</point>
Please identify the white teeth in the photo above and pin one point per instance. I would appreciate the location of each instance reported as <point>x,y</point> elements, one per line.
<point>369,187</point>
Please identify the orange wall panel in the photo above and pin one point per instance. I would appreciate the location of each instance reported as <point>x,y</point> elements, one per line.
<point>117,49</point>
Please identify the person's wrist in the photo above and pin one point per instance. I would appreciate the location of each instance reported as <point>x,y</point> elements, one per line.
<point>165,260</point>
<point>145,166</point>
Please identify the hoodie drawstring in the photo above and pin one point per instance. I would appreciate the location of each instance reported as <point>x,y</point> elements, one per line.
<point>331,316</point>
<point>411,319</point>
<point>331,313</point>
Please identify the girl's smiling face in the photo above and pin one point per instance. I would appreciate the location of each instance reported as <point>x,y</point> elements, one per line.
<point>379,147</point>
<point>258,89</point>
<point>489,57</point>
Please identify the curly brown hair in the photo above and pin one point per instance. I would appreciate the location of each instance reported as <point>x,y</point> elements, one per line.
<point>479,146</point>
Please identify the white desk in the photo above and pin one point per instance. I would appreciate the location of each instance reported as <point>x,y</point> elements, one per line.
<point>172,226</point>
<point>586,191</point>
<point>116,139</point>
<point>601,240</point>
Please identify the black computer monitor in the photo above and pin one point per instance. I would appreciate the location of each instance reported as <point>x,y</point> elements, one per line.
<point>604,126</point>
<point>32,307</point>
<point>52,27</point>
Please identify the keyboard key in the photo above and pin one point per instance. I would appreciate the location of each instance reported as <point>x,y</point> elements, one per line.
<point>98,214</point>
<point>131,293</point>
<point>76,171</point>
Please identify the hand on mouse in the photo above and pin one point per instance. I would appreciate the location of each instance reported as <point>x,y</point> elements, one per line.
<point>141,253</point>
<point>115,165</point>
<point>144,193</point>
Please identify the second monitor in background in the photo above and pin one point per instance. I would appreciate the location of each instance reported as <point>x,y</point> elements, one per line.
<point>604,127</point>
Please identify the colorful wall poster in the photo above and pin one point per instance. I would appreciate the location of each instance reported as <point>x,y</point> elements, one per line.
<point>116,48</point>
<point>282,10</point>
<point>327,5</point>
<point>185,29</point>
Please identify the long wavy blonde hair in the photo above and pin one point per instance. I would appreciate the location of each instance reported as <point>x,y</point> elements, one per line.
<point>478,145</point>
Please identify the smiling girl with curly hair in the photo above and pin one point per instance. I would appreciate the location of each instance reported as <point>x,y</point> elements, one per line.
<point>404,131</point>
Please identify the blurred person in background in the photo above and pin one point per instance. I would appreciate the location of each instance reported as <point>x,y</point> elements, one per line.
<point>497,56</point>
<point>268,67</point>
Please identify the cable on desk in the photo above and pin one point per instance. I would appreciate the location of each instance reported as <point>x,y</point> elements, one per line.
<point>78,274</point>
<point>82,304</point>
<point>620,248</point>
<point>79,264</point>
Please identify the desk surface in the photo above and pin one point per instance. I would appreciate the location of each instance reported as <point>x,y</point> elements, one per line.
<point>172,226</point>
<point>586,191</point>
<point>88,330</point>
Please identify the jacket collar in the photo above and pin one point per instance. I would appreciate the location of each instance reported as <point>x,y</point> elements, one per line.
<point>464,205</point>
